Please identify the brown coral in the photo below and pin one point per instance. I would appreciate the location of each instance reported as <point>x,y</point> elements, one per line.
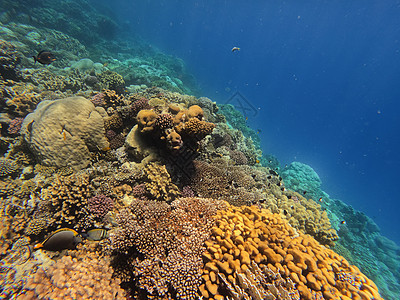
<point>84,277</point>
<point>67,201</point>
<point>198,129</point>
<point>159,184</point>
<point>247,235</point>
<point>146,120</point>
<point>163,243</point>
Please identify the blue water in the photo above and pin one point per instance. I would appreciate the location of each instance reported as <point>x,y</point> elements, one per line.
<point>324,77</point>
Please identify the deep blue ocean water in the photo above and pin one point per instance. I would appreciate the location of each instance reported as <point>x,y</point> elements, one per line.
<point>324,77</point>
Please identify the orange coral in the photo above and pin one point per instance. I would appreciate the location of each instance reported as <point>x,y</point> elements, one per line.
<point>244,235</point>
<point>146,120</point>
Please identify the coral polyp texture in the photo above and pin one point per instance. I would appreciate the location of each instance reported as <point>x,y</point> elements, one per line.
<point>159,246</point>
<point>254,254</point>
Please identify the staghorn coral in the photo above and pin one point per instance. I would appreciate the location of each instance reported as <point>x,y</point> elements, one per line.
<point>160,245</point>
<point>86,276</point>
<point>245,236</point>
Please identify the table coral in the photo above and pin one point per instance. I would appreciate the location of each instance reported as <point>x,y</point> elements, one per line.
<point>249,238</point>
<point>162,244</point>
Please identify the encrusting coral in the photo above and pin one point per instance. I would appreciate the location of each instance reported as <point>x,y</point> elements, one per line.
<point>248,240</point>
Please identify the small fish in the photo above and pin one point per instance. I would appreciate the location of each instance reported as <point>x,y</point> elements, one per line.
<point>305,192</point>
<point>292,207</point>
<point>247,118</point>
<point>64,136</point>
<point>257,161</point>
<point>96,234</point>
<point>60,239</point>
<point>258,131</point>
<point>105,149</point>
<point>235,49</point>
<point>320,199</point>
<point>44,57</point>
<point>343,222</point>
<point>285,212</point>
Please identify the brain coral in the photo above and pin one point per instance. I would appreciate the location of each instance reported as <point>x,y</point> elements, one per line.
<point>63,132</point>
<point>254,254</point>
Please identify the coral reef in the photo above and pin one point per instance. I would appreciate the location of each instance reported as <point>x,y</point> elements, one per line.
<point>81,275</point>
<point>249,243</point>
<point>160,245</point>
<point>100,205</point>
<point>9,59</point>
<point>66,201</point>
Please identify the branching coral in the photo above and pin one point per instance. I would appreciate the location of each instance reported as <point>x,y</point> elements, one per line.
<point>83,277</point>
<point>100,205</point>
<point>158,183</point>
<point>67,201</point>
<point>162,245</point>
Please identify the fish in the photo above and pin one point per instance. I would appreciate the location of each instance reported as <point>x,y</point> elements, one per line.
<point>44,57</point>
<point>285,212</point>
<point>343,222</point>
<point>235,49</point>
<point>60,239</point>
<point>96,234</point>
<point>320,199</point>
<point>257,161</point>
<point>305,192</point>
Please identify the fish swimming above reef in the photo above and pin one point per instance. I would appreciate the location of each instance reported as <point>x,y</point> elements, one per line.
<point>60,239</point>
<point>235,49</point>
<point>44,57</point>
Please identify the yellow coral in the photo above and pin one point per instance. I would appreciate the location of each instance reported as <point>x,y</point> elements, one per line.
<point>146,120</point>
<point>249,239</point>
